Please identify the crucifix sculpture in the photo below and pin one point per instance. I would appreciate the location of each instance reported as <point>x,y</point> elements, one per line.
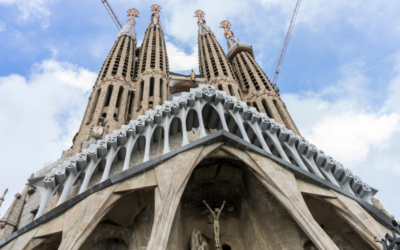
<point>216,215</point>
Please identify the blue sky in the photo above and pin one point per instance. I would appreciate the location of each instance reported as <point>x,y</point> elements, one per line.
<point>340,78</point>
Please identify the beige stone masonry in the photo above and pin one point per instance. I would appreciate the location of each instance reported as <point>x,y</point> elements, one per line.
<point>282,184</point>
<point>147,179</point>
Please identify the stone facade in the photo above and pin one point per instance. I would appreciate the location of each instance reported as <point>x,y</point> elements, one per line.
<point>145,162</point>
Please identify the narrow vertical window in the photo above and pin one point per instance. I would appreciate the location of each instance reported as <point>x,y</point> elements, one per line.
<point>151,92</point>
<point>161,88</point>
<point>256,106</point>
<point>230,90</point>
<point>120,91</point>
<point>266,108</point>
<point>220,87</point>
<point>141,90</point>
<point>108,96</point>
<point>280,113</point>
<point>93,107</point>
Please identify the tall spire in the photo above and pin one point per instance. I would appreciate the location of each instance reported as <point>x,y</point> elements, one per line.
<point>2,197</point>
<point>106,109</point>
<point>201,22</point>
<point>214,65</point>
<point>9,222</point>
<point>153,71</point>
<point>129,28</point>
<point>155,16</point>
<point>258,90</point>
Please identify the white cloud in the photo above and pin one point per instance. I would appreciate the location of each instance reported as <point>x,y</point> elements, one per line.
<point>31,9</point>
<point>2,26</point>
<point>40,114</point>
<point>342,120</point>
<point>180,61</point>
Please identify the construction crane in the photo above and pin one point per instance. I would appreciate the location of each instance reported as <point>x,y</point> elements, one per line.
<point>278,67</point>
<point>114,17</point>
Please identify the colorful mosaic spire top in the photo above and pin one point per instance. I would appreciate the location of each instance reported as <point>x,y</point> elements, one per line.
<point>155,8</point>
<point>199,13</point>
<point>133,12</point>
<point>226,25</point>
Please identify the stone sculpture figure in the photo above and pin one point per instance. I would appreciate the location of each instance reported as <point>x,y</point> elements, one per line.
<point>192,75</point>
<point>197,242</point>
<point>216,215</point>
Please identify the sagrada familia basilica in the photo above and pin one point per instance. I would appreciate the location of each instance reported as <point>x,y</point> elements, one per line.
<point>191,162</point>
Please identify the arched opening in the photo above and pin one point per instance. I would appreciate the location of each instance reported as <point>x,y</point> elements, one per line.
<point>211,119</point>
<point>226,247</point>
<point>220,87</point>
<point>151,90</point>
<point>137,153</point>
<point>249,208</point>
<point>129,106</point>
<point>232,126</point>
<point>283,117</point>
<point>252,135</point>
<point>266,108</point>
<point>271,145</point>
<point>192,125</point>
<point>175,134</point>
<point>157,142</point>
<point>341,233</point>
<point>108,95</point>
<point>94,105</point>
<point>50,243</point>
<point>126,225</point>
<point>230,90</point>
<point>141,90</point>
<point>256,106</point>
<point>120,92</point>
<point>161,89</point>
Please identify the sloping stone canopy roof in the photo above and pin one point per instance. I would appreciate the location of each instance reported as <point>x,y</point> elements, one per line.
<point>220,136</point>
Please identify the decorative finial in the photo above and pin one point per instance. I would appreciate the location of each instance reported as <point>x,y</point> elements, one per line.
<point>129,27</point>
<point>155,16</point>
<point>203,28</point>
<point>227,26</point>
<point>133,12</point>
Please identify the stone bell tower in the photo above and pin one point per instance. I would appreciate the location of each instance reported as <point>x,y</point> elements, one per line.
<point>214,65</point>
<point>110,103</point>
<point>258,90</point>
<point>153,70</point>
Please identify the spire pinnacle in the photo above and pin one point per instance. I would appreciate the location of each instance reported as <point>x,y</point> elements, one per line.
<point>155,16</point>
<point>203,28</point>
<point>2,197</point>
<point>233,42</point>
<point>129,27</point>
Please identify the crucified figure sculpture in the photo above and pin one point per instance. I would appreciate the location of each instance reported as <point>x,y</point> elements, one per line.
<point>216,215</point>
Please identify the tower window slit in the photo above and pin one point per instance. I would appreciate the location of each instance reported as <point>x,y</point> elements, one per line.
<point>256,106</point>
<point>93,107</point>
<point>141,90</point>
<point>120,91</point>
<point>151,91</point>
<point>230,90</point>
<point>161,88</point>
<point>266,108</point>
<point>108,96</point>
<point>283,117</point>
